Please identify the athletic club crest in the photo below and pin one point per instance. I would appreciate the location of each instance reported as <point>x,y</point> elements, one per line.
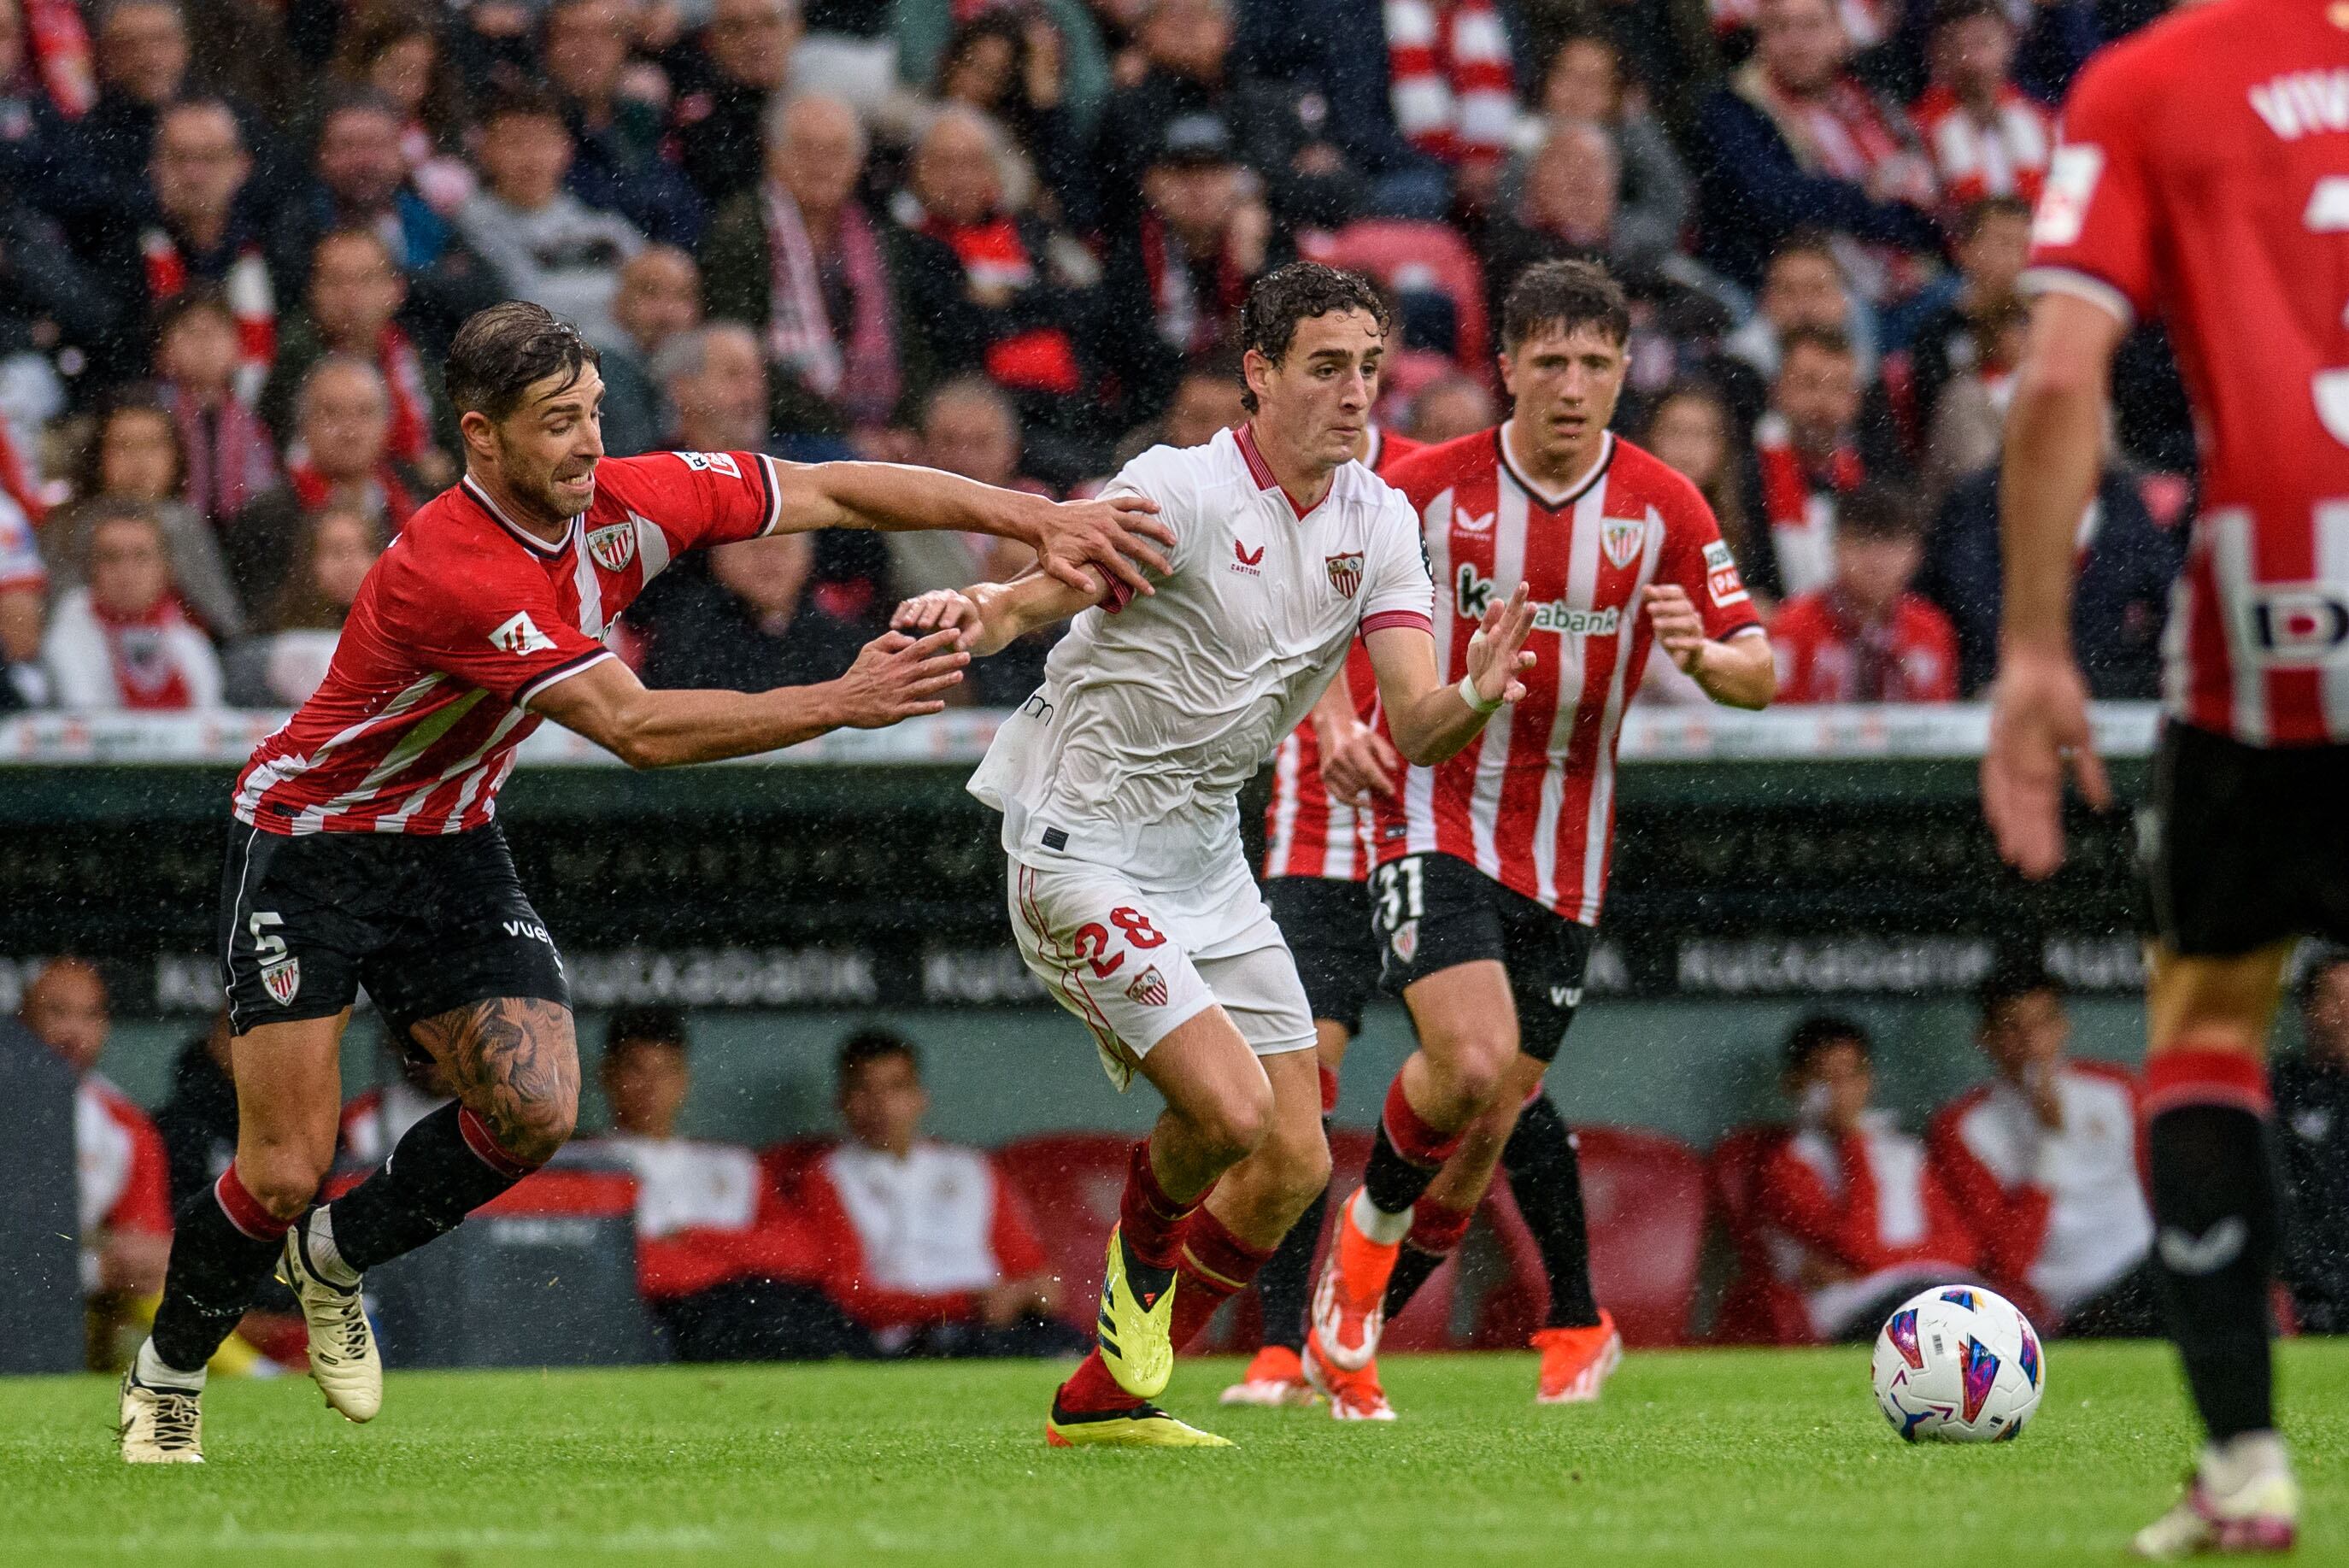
<point>1149,989</point>
<point>613,546</point>
<point>1346,573</point>
<point>1405,941</point>
<point>1622,538</point>
<point>282,980</point>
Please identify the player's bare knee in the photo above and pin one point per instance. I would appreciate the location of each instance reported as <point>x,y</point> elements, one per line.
<point>1474,1069</point>
<point>1235,1121</point>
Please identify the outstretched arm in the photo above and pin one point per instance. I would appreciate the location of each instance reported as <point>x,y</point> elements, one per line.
<point>1432,721</point>
<point>988,616</point>
<point>894,678</point>
<point>1086,544</point>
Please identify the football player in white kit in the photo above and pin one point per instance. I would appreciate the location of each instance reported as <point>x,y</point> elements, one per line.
<point>1118,781</point>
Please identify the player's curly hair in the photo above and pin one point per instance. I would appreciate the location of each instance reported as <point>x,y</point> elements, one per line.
<point>500,352</point>
<point>1563,297</point>
<point>1300,291</point>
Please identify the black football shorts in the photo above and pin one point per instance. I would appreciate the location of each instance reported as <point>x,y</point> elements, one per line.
<point>2244,846</point>
<point>1327,923</point>
<point>427,923</point>
<point>1435,911</point>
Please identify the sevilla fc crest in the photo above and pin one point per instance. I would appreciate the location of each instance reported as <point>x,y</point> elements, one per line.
<point>283,979</point>
<point>1346,573</point>
<point>1149,989</point>
<point>615,546</point>
<point>1622,538</point>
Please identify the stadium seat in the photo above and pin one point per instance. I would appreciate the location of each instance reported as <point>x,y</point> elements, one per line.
<point>1071,1182</point>
<point>1402,253</point>
<point>1757,1309</point>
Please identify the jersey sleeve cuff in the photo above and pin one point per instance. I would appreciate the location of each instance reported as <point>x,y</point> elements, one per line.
<point>561,672</point>
<point>1415,619</point>
<point>2049,279</point>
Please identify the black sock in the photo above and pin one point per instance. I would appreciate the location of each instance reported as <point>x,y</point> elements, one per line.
<point>2214,1210</point>
<point>1547,1181</point>
<point>1412,1268</point>
<point>1393,1183</point>
<point>1287,1277</point>
<point>436,1176</point>
<point>215,1271</point>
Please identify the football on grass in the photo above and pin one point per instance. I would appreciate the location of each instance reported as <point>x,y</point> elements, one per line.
<point>1959,1363</point>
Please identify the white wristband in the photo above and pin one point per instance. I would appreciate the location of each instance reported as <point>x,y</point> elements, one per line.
<point>1467,690</point>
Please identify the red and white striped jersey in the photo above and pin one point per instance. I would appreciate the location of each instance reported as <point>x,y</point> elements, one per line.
<point>1530,802</point>
<point>463,621</point>
<point>2006,158</point>
<point>2203,178</point>
<point>1308,831</point>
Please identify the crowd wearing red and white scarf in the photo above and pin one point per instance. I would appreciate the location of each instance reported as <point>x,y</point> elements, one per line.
<point>59,42</point>
<point>1453,89</point>
<point>994,256</point>
<point>860,373</point>
<point>1798,497</point>
<point>1186,321</point>
<point>2007,156</point>
<point>157,660</point>
<point>231,460</point>
<point>251,300</point>
<point>410,436</point>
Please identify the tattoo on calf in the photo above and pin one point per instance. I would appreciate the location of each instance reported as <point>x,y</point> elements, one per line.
<point>513,1062</point>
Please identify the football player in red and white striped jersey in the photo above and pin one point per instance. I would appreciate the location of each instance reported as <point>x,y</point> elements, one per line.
<point>2203,179</point>
<point>362,849</point>
<point>1492,865</point>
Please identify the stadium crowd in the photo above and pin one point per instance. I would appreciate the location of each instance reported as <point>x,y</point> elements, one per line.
<point>1006,238</point>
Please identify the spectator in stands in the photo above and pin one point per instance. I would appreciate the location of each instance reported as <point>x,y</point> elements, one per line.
<point>1866,636</point>
<point>1791,140</point>
<point>230,454</point>
<point>660,297</point>
<point>1005,64</point>
<point>24,607</point>
<point>1986,135</point>
<point>41,96</point>
<point>748,617</point>
<point>1803,286</point>
<point>125,1175</point>
<point>285,663</point>
<point>1807,451</point>
<point>740,65</point>
<point>2120,601</point>
<point>410,1085</point>
<point>616,163</point>
<point>1691,428</point>
<point>1952,336</point>
<point>801,258</point>
<point>1451,407</point>
<point>729,1272</point>
<point>550,247</point>
<point>969,428</point>
<point>1207,399</point>
<point>993,287</point>
<point>1174,282</point>
<point>2311,1102</point>
<point>353,307</point>
<point>199,227</point>
<point>395,49</point>
<point>1969,422</point>
<point>134,456</point>
<point>1653,196</point>
<point>123,640</point>
<point>715,381</point>
<point>1857,1218</point>
<point>925,1243</point>
<point>338,458</point>
<point>2042,1160</point>
<point>198,1122</point>
<point>141,57</point>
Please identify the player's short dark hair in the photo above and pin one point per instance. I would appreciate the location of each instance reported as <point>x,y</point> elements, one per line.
<point>2014,976</point>
<point>651,1024</point>
<point>1832,340</point>
<point>1815,1034</point>
<point>502,352</point>
<point>1879,512</point>
<point>868,1046</point>
<point>1983,209</point>
<point>1296,292</point>
<point>1564,297</point>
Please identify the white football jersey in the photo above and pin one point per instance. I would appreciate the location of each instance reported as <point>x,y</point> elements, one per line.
<point>1150,719</point>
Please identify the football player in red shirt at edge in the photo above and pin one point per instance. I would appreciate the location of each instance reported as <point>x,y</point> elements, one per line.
<point>362,849</point>
<point>2202,180</point>
<point>1492,865</point>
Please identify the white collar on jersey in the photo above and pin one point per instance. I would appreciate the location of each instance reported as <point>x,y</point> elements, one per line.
<point>1575,492</point>
<point>538,546</point>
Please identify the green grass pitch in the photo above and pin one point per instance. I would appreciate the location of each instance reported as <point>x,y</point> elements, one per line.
<point>1695,1458</point>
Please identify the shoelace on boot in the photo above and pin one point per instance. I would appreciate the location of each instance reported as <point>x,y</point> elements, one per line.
<point>350,1324</point>
<point>177,1416</point>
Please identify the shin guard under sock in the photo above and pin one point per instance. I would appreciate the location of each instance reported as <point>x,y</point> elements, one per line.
<point>443,1168</point>
<point>2215,1217</point>
<point>222,1241</point>
<point>1545,1179</point>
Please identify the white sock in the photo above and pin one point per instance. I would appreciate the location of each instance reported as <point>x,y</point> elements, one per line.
<point>2230,1467</point>
<point>1376,1223</point>
<point>149,1369</point>
<point>318,1245</point>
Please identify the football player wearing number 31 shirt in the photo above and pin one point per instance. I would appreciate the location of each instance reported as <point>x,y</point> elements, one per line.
<point>2202,179</point>
<point>363,851</point>
<point>1119,782</point>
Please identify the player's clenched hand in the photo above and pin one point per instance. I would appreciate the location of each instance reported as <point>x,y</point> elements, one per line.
<point>1088,544</point>
<point>897,676</point>
<point>1497,649</point>
<point>1680,630</point>
<point>940,610</point>
<point>2038,728</point>
<point>1357,762</point>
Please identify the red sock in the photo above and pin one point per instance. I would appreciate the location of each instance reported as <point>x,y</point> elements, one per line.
<point>1091,1387</point>
<point>1151,1221</point>
<point>1413,1137</point>
<point>1435,1229</point>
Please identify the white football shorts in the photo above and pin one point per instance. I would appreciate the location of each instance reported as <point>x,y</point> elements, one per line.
<point>1134,965</point>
